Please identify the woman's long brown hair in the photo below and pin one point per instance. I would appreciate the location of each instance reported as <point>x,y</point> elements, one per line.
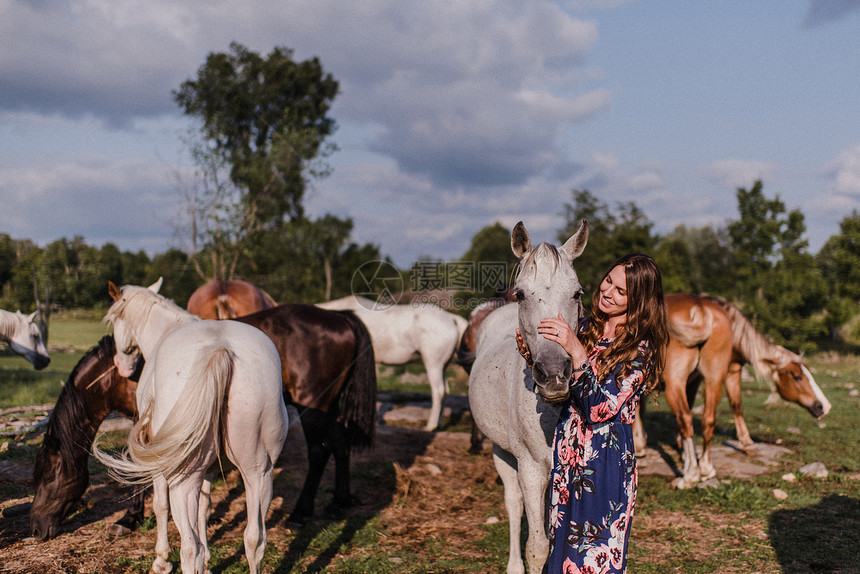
<point>646,321</point>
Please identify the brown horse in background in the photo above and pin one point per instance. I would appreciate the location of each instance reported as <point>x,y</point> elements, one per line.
<point>228,300</point>
<point>710,340</point>
<point>60,475</point>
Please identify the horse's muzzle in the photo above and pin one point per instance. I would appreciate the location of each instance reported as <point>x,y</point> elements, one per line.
<point>816,410</point>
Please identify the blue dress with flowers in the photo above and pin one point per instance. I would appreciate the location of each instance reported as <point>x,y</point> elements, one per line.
<point>594,477</point>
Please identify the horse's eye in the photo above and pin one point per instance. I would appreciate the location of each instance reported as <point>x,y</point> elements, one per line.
<point>519,295</point>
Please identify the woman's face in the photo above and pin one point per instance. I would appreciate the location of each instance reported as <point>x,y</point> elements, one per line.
<point>613,292</point>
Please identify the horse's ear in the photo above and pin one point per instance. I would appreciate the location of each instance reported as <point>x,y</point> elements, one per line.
<point>521,243</point>
<point>156,286</point>
<point>113,291</point>
<point>32,316</point>
<point>574,246</point>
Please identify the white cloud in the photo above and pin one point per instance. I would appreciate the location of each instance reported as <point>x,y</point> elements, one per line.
<point>736,173</point>
<point>844,173</point>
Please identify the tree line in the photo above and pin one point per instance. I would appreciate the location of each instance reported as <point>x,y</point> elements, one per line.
<point>759,261</point>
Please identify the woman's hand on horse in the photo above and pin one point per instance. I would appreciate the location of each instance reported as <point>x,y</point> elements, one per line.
<point>524,349</point>
<point>556,329</point>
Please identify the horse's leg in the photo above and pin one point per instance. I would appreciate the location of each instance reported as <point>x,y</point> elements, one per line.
<point>258,497</point>
<point>506,466</point>
<point>160,507</point>
<point>314,427</point>
<point>133,515</point>
<point>733,390</point>
<point>204,506</point>
<point>680,362</point>
<point>438,389</point>
<point>340,448</point>
<point>476,440</point>
<point>714,366</point>
<point>184,506</point>
<point>533,480</point>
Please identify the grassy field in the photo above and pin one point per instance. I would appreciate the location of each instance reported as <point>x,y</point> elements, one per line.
<point>737,527</point>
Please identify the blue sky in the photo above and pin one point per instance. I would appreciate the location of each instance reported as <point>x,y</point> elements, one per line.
<point>452,115</point>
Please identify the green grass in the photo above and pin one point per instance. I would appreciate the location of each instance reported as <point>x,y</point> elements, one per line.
<point>69,337</point>
<point>78,331</point>
<point>737,527</point>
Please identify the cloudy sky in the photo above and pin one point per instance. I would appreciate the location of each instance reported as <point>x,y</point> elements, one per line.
<point>452,114</point>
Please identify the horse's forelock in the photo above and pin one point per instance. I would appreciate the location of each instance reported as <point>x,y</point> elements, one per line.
<point>535,258</point>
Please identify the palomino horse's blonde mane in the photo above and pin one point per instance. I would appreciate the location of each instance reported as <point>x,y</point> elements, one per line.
<point>136,303</point>
<point>763,355</point>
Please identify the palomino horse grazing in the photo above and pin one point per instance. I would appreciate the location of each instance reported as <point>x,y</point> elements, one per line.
<point>24,337</point>
<point>402,333</point>
<point>517,408</point>
<point>60,475</point>
<point>228,300</point>
<point>710,340</point>
<point>328,374</point>
<point>205,384</point>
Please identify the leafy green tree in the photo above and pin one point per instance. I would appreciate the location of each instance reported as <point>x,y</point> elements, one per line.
<point>267,118</point>
<point>695,260</point>
<point>839,263</point>
<point>610,235</point>
<point>488,267</point>
<point>307,261</point>
<point>776,280</point>
<point>177,270</point>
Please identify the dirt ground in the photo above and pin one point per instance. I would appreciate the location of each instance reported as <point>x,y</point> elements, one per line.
<point>423,485</point>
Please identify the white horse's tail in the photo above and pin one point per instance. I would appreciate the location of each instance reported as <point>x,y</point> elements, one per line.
<point>194,419</point>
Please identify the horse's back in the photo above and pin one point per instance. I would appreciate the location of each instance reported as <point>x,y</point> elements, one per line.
<point>255,361</point>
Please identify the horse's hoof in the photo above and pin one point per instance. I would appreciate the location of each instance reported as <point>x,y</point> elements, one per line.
<point>118,529</point>
<point>681,483</point>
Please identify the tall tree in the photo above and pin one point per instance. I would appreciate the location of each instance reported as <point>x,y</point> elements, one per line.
<point>776,283</point>
<point>610,235</point>
<point>839,263</point>
<point>264,121</point>
<point>485,269</point>
<point>695,260</point>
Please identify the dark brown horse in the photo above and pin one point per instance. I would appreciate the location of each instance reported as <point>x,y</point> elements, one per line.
<point>329,375</point>
<point>709,342</point>
<point>228,300</point>
<point>60,475</point>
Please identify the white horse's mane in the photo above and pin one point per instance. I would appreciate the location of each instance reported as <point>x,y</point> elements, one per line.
<point>9,324</point>
<point>135,304</point>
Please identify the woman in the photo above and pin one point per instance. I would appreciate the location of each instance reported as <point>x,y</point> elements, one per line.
<point>618,354</point>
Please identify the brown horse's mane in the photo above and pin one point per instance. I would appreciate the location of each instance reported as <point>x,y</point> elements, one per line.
<point>70,425</point>
<point>764,355</point>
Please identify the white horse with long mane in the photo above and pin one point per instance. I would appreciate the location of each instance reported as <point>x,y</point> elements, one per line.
<point>24,337</point>
<point>205,384</point>
<point>403,333</point>
<point>515,406</point>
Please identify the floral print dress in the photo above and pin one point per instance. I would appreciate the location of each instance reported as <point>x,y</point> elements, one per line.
<point>594,477</point>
